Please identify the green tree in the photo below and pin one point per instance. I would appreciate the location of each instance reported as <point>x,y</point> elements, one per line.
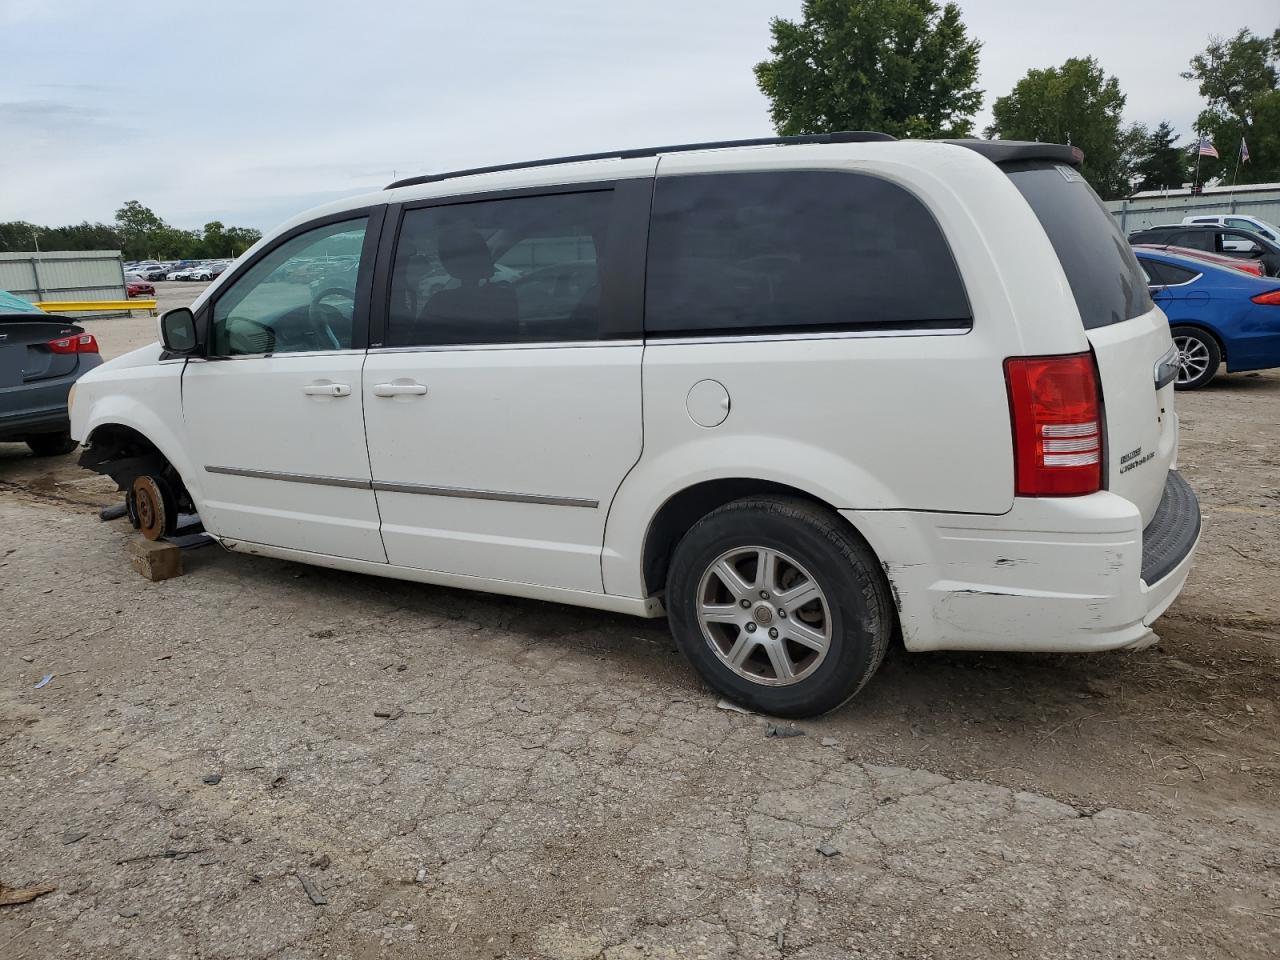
<point>240,239</point>
<point>904,67</point>
<point>1159,163</point>
<point>1076,104</point>
<point>16,236</point>
<point>214,242</point>
<point>136,224</point>
<point>173,243</point>
<point>138,233</point>
<point>1239,78</point>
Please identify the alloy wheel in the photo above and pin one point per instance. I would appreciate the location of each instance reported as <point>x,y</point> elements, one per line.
<point>1193,358</point>
<point>764,615</point>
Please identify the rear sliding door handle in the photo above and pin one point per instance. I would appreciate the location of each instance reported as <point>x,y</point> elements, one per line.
<point>327,390</point>
<point>399,390</point>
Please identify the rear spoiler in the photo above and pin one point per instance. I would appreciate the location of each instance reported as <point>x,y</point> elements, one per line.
<point>1007,151</point>
<point>35,315</point>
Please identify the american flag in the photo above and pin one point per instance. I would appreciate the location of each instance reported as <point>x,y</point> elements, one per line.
<point>1207,149</point>
<point>1244,151</point>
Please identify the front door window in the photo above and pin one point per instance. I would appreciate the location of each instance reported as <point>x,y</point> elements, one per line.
<point>300,298</point>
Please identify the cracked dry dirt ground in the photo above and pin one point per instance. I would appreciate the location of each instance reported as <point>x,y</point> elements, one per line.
<point>559,785</point>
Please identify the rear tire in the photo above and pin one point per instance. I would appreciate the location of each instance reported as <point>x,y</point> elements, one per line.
<point>51,444</point>
<point>818,614</point>
<point>1199,357</point>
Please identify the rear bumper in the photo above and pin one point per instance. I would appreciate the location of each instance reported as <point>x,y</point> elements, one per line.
<point>1053,575</point>
<point>40,406</point>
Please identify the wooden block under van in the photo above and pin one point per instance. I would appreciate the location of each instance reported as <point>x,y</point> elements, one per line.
<point>155,560</point>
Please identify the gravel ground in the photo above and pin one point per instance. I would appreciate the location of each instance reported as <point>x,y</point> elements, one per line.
<point>458,775</point>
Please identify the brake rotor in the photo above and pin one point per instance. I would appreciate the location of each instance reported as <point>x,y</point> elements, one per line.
<point>151,511</point>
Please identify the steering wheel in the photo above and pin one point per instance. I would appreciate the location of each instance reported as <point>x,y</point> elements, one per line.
<point>327,321</point>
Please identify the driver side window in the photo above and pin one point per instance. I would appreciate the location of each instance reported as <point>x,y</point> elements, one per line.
<point>298,298</point>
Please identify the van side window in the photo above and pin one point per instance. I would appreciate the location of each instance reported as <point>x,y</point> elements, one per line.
<point>299,298</point>
<point>796,251</point>
<point>523,269</point>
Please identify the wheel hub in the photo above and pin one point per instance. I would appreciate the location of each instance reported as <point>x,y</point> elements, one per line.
<point>150,510</point>
<point>764,615</point>
<point>1193,358</point>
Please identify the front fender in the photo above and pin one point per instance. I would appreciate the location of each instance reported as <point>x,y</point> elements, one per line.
<point>157,415</point>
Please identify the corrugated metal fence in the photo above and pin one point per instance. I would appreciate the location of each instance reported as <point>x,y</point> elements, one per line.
<point>65,275</point>
<point>1143,212</point>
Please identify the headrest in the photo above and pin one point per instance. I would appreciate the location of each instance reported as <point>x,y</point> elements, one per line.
<point>464,254</point>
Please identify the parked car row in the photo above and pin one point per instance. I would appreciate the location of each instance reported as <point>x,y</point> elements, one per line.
<point>1231,241</point>
<point>152,270</point>
<point>1216,283</point>
<point>1263,228</point>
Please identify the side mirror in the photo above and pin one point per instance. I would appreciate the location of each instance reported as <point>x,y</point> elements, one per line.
<point>178,331</point>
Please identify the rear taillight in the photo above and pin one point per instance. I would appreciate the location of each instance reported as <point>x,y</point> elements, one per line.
<point>1269,299</point>
<point>1057,425</point>
<point>81,343</point>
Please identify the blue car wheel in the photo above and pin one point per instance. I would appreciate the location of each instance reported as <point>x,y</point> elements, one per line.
<point>1198,357</point>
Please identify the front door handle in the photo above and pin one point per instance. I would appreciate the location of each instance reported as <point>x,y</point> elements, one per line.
<point>399,389</point>
<point>327,390</point>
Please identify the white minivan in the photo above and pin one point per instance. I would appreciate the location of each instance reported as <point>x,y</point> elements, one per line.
<point>799,395</point>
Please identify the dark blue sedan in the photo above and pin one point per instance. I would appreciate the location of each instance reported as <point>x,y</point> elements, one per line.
<point>1217,315</point>
<point>41,356</point>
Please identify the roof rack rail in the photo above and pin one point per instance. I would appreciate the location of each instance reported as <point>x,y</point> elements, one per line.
<point>843,136</point>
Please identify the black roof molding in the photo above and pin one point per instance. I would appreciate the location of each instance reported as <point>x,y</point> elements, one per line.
<point>844,136</point>
<point>1008,151</point>
<point>997,151</point>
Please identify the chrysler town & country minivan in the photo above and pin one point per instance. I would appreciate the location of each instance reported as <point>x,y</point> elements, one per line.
<point>801,396</point>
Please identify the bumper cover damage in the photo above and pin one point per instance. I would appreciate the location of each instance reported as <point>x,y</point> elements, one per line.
<point>1070,574</point>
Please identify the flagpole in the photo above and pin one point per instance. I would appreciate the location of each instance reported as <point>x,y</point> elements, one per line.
<point>1196,182</point>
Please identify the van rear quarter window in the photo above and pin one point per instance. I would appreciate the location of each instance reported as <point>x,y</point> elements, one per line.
<point>1105,278</point>
<point>793,251</point>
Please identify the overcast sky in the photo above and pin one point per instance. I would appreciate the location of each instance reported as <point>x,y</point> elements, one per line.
<point>249,112</point>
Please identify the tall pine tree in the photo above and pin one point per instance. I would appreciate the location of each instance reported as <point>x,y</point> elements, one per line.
<point>1159,163</point>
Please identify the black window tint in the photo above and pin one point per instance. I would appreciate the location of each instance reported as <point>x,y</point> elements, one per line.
<point>500,271</point>
<point>1195,239</point>
<point>795,251</point>
<point>1100,266</point>
<point>1174,274</point>
<point>1153,270</point>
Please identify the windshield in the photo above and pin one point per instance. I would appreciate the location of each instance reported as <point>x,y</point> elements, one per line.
<point>1257,225</point>
<point>1105,278</point>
